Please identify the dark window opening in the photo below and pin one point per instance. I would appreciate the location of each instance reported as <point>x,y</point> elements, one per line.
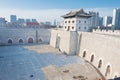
<point>107,70</point>
<point>79,21</point>
<point>84,54</point>
<point>73,21</point>
<point>72,27</point>
<point>100,64</point>
<point>65,27</point>
<point>92,58</point>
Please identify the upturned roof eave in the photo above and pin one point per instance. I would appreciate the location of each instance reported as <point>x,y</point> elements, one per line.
<point>67,16</point>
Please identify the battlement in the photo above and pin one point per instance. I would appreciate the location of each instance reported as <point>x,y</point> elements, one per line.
<point>110,32</point>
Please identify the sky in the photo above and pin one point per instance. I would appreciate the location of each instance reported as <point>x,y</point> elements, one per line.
<point>48,10</point>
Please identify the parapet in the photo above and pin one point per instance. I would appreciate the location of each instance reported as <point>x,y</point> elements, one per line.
<point>103,31</point>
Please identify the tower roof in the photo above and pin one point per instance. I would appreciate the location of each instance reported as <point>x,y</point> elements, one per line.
<point>78,13</point>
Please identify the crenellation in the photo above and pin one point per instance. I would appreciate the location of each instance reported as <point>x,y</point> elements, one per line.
<point>109,32</point>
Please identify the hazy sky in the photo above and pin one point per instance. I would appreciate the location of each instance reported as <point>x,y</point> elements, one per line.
<point>48,10</point>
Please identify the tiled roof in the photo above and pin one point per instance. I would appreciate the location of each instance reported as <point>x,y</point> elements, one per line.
<point>78,13</point>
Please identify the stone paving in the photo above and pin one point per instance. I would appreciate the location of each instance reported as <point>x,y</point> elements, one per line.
<point>19,63</point>
<point>42,49</point>
<point>72,72</point>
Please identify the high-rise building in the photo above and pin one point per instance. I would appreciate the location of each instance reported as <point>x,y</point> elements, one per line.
<point>2,22</point>
<point>108,20</point>
<point>100,21</point>
<point>13,18</point>
<point>94,19</point>
<point>55,23</point>
<point>48,23</point>
<point>21,20</point>
<point>34,20</point>
<point>116,18</point>
<point>28,20</point>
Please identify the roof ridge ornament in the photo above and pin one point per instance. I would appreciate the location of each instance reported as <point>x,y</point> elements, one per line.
<point>81,10</point>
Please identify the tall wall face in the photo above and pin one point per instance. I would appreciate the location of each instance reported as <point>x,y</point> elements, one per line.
<point>44,35</point>
<point>67,42</point>
<point>102,50</point>
<point>105,48</point>
<point>73,43</point>
<point>38,36</point>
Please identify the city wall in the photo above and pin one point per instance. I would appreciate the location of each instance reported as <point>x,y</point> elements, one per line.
<point>102,50</point>
<point>23,36</point>
<point>99,48</point>
<point>65,41</point>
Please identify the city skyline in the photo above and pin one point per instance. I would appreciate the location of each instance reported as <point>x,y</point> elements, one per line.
<point>45,10</point>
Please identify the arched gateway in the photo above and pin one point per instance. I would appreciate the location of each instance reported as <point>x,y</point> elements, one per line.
<point>9,41</point>
<point>30,40</point>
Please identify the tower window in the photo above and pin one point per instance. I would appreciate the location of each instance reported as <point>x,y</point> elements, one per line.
<point>73,27</point>
<point>65,21</point>
<point>84,21</point>
<point>68,21</point>
<point>65,27</point>
<point>84,27</point>
<point>73,21</point>
<point>79,21</point>
<point>68,28</point>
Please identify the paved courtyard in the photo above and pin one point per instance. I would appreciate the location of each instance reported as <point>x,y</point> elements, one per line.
<point>26,62</point>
